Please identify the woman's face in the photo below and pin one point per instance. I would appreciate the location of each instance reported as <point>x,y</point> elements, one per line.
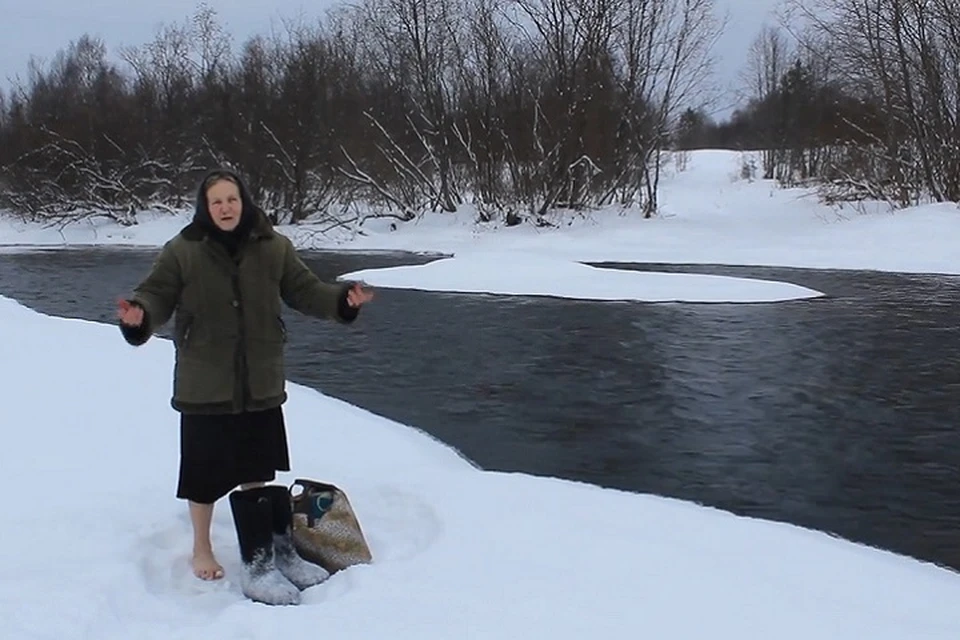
<point>224,204</point>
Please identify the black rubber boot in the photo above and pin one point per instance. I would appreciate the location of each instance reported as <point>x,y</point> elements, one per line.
<point>260,579</point>
<point>297,570</point>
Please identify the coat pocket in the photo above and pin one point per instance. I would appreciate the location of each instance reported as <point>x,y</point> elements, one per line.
<point>204,375</point>
<point>265,363</point>
<point>182,329</point>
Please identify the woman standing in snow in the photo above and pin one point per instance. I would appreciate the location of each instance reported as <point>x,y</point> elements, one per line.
<point>225,275</point>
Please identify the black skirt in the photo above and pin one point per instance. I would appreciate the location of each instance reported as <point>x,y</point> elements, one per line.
<point>220,452</point>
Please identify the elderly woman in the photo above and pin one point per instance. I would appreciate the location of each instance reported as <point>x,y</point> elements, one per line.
<point>225,275</point>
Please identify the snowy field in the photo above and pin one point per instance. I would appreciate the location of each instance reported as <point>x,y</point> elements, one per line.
<point>709,214</point>
<point>95,545</point>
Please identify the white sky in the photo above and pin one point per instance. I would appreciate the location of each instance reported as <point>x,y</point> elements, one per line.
<point>41,27</point>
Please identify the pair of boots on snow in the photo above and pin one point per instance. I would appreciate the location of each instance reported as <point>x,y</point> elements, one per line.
<point>273,571</point>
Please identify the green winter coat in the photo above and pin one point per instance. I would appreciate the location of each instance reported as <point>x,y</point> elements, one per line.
<point>228,332</point>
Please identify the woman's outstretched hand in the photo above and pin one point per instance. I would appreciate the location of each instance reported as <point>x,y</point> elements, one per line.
<point>358,296</point>
<point>129,313</point>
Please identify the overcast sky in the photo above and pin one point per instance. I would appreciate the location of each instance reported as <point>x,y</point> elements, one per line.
<point>41,27</point>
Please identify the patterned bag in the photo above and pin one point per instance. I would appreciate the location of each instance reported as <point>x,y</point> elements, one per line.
<point>325,529</point>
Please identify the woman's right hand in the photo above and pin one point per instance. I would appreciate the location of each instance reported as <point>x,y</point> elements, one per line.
<point>130,313</point>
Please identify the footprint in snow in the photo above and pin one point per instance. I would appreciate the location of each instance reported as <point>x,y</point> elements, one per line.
<point>165,564</point>
<point>397,525</point>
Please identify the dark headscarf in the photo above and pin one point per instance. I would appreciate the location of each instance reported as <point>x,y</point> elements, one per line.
<point>231,240</point>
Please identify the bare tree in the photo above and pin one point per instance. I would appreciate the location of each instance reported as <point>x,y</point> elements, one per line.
<point>570,42</point>
<point>413,46</point>
<point>482,80</point>
<point>900,55</point>
<point>77,154</point>
<point>767,61</point>
<point>664,48</point>
<point>211,43</point>
<point>4,111</point>
<point>394,107</point>
<point>165,90</point>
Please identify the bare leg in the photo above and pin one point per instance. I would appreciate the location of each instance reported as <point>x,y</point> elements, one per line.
<point>205,565</point>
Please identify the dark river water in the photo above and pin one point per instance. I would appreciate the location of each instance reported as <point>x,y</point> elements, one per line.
<point>839,414</point>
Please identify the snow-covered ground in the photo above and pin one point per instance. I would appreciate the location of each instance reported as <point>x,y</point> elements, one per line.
<point>709,214</point>
<point>96,546</point>
<point>524,274</point>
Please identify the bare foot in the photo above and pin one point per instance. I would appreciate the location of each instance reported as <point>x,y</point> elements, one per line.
<point>205,566</point>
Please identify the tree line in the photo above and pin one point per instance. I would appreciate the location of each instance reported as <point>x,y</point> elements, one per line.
<point>516,107</point>
<point>383,107</point>
<point>860,98</point>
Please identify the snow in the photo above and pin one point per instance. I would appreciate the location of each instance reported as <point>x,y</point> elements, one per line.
<point>153,228</point>
<point>521,274</point>
<point>96,546</point>
<point>709,215</point>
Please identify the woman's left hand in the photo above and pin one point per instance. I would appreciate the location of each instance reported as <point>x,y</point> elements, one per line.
<point>358,295</point>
